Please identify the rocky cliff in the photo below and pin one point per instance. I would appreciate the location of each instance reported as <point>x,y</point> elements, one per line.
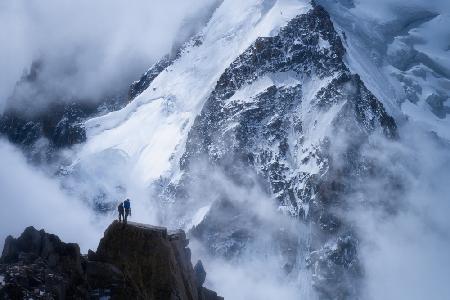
<point>135,261</point>
<point>288,115</point>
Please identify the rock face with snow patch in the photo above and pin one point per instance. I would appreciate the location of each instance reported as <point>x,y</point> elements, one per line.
<point>286,111</point>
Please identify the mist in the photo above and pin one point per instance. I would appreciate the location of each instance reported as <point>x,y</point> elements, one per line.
<point>399,215</point>
<point>90,50</point>
<point>273,240</point>
<point>31,198</point>
<point>87,50</point>
<point>405,236</point>
<point>404,229</point>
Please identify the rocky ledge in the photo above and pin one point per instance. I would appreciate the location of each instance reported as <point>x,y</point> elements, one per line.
<point>135,261</point>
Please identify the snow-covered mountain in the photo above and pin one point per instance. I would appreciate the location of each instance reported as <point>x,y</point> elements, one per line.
<point>263,98</point>
<point>268,129</point>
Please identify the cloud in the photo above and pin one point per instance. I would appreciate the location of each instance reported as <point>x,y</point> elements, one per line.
<point>30,198</point>
<point>246,214</point>
<point>89,49</point>
<point>405,251</point>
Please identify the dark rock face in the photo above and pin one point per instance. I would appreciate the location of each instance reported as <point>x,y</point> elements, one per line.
<point>40,132</point>
<point>41,135</point>
<point>200,273</point>
<point>38,264</point>
<point>60,129</point>
<point>157,263</point>
<point>285,134</point>
<point>135,261</point>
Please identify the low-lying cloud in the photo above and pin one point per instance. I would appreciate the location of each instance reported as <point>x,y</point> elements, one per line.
<point>30,198</point>
<point>404,250</point>
<point>247,214</point>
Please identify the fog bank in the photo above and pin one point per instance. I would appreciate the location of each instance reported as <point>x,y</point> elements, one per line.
<point>88,49</point>
<point>30,198</point>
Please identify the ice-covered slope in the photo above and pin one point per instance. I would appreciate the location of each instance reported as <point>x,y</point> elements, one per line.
<point>402,51</point>
<point>148,135</point>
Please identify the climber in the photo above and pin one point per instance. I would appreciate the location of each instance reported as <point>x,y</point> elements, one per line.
<point>121,212</point>
<point>127,206</point>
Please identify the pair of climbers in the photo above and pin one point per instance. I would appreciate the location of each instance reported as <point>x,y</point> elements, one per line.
<point>124,209</point>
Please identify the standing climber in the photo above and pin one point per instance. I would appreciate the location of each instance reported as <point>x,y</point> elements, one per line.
<point>127,206</point>
<point>121,212</point>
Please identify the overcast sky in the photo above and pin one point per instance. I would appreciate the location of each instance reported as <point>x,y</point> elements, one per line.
<point>89,48</point>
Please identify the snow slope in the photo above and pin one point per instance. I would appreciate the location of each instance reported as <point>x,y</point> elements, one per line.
<point>150,132</point>
<point>401,49</point>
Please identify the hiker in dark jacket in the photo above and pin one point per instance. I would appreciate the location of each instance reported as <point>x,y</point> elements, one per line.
<point>121,212</point>
<point>127,206</point>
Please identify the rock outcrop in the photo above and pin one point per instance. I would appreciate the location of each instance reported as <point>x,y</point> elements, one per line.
<point>135,261</point>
